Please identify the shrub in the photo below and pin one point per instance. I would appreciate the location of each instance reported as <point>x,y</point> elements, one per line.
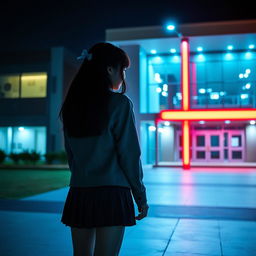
<point>62,157</point>
<point>25,156</point>
<point>50,157</point>
<point>34,156</point>
<point>15,157</point>
<point>2,156</point>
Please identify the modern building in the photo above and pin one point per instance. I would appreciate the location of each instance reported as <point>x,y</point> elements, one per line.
<point>176,72</point>
<point>220,76</point>
<point>32,87</point>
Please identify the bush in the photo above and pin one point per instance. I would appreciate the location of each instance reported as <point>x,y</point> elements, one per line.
<point>50,157</point>
<point>25,156</point>
<point>34,156</point>
<point>15,157</point>
<point>2,156</point>
<point>62,157</point>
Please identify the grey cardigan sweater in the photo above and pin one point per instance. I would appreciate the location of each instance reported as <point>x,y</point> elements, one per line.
<point>113,158</point>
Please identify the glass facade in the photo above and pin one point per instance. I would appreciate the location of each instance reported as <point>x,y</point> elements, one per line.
<point>25,85</point>
<point>17,139</point>
<point>148,144</point>
<point>163,91</point>
<point>226,79</point>
<point>223,80</point>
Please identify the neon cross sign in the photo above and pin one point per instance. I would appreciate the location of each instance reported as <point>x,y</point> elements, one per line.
<point>185,115</point>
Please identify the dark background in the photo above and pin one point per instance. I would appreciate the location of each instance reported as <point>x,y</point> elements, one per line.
<point>80,24</point>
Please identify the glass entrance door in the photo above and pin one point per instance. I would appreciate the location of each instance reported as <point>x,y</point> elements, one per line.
<point>236,146</point>
<point>207,146</point>
<point>217,146</point>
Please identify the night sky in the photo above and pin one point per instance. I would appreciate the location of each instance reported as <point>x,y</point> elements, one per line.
<point>79,24</point>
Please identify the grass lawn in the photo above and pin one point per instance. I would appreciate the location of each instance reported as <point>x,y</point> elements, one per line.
<point>15,184</point>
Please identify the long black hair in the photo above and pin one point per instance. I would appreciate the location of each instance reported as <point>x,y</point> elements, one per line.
<point>84,111</point>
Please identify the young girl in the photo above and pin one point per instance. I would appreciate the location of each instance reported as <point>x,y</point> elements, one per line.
<point>103,154</point>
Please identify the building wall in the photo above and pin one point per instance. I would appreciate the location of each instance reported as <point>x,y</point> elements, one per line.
<point>133,80</point>
<point>63,70</point>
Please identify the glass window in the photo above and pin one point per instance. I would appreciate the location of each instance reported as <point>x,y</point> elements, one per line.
<point>200,140</point>
<point>215,154</point>
<point>230,71</point>
<point>236,154</point>
<point>214,72</point>
<point>33,85</point>
<point>163,90</point>
<point>225,79</point>
<point>17,139</point>
<point>215,140</point>
<point>147,137</point>
<point>9,86</point>
<point>217,79</point>
<point>200,154</point>
<point>25,85</point>
<point>236,141</point>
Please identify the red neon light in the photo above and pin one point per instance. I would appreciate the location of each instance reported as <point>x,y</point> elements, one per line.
<point>185,145</point>
<point>185,74</point>
<point>185,101</point>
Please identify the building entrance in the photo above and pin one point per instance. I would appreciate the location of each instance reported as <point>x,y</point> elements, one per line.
<point>218,146</point>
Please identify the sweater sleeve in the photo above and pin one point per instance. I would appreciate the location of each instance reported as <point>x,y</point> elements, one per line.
<point>128,149</point>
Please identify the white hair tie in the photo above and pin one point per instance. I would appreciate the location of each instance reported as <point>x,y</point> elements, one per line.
<point>85,55</point>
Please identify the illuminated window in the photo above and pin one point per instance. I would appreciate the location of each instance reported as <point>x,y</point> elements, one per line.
<point>147,136</point>
<point>33,85</point>
<point>230,76</point>
<point>163,83</point>
<point>18,139</point>
<point>9,86</point>
<point>25,85</point>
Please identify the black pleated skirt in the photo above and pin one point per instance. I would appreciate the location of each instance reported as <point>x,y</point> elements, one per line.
<point>88,207</point>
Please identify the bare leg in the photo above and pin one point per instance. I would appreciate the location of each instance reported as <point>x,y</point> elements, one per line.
<point>83,240</point>
<point>109,240</point>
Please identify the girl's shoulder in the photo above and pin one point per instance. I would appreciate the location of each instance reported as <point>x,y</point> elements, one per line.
<point>121,98</point>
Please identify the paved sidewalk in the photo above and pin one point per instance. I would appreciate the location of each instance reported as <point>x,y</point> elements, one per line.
<point>205,211</point>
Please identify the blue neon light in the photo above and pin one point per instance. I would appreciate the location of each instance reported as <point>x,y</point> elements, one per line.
<point>170,27</point>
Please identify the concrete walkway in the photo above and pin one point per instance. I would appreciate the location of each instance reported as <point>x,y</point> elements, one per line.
<point>204,211</point>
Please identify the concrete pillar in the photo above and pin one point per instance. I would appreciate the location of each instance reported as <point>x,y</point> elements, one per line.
<point>250,143</point>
